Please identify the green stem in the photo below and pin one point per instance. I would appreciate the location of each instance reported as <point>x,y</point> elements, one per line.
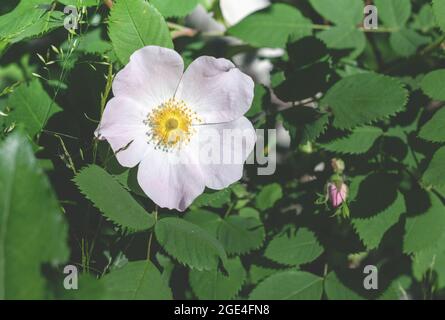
<point>229,209</point>
<point>150,237</point>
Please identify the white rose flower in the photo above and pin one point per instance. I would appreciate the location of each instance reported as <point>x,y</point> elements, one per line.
<point>161,119</point>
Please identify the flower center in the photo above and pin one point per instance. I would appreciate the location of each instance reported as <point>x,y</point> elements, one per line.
<point>170,124</point>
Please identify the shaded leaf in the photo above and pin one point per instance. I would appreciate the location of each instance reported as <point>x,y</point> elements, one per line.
<point>372,229</point>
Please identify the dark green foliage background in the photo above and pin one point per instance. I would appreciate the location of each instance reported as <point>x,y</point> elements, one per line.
<point>379,105</point>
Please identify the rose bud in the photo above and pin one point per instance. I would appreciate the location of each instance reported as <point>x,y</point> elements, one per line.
<point>337,193</point>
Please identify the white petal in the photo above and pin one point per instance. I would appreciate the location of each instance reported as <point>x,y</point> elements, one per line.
<point>122,126</point>
<point>151,77</point>
<point>216,90</point>
<point>258,69</point>
<point>236,10</point>
<point>170,182</point>
<point>203,21</point>
<point>270,53</point>
<point>223,150</point>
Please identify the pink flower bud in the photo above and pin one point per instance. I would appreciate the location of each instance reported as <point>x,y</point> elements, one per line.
<point>337,195</point>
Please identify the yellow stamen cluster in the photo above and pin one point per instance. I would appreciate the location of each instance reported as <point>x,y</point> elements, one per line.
<point>170,124</point>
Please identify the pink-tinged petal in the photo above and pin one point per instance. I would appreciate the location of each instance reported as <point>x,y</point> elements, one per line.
<point>337,195</point>
<point>223,150</point>
<point>236,10</point>
<point>151,77</point>
<point>122,126</point>
<point>216,90</point>
<point>171,180</point>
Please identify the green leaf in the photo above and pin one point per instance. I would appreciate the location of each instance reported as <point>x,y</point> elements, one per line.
<point>248,212</point>
<point>394,13</point>
<point>268,196</point>
<point>439,12</point>
<point>304,124</point>
<point>32,227</point>
<point>190,244</point>
<point>174,8</point>
<point>272,27</point>
<point>80,3</point>
<point>433,130</point>
<point>139,280</point>
<point>312,131</point>
<point>289,285</point>
<point>432,84</point>
<point>91,43</point>
<point>425,21</point>
<point>397,290</point>
<point>297,249</point>
<point>29,19</point>
<point>435,173</point>
<point>31,106</point>
<point>240,235</point>
<point>213,199</point>
<point>205,219</point>
<point>213,285</point>
<point>364,98</point>
<point>336,290</point>
<point>112,199</point>
<point>372,229</point>
<point>134,24</point>
<point>430,259</point>
<point>258,273</point>
<point>406,42</point>
<point>342,12</point>
<point>423,230</point>
<point>344,37</point>
<point>359,141</point>
<point>373,194</point>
